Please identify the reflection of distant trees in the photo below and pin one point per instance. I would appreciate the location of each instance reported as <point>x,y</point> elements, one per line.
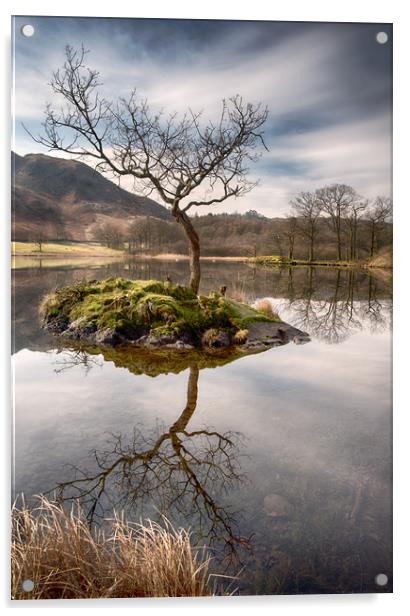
<point>377,312</point>
<point>340,314</point>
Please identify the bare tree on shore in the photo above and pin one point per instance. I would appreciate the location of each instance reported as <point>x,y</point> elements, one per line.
<point>307,208</point>
<point>336,200</point>
<point>379,213</point>
<point>109,234</point>
<point>290,231</point>
<point>39,240</point>
<point>356,211</point>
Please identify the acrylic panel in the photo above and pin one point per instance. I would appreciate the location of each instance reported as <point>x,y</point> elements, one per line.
<point>202,297</point>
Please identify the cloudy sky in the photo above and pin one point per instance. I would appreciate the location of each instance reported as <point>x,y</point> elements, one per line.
<point>327,86</point>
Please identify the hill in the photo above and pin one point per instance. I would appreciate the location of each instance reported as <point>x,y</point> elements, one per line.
<point>61,198</point>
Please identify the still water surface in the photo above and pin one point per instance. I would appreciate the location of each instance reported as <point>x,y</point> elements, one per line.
<point>280,461</point>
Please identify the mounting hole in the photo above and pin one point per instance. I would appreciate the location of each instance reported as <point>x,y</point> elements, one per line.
<point>382,37</point>
<point>381,579</point>
<point>27,30</point>
<point>27,585</point>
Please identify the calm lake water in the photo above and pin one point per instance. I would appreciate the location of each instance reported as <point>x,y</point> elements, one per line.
<point>280,461</point>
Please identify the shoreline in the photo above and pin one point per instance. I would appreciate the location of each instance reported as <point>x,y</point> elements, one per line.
<point>75,251</point>
<point>272,262</point>
<point>125,255</point>
<point>266,262</point>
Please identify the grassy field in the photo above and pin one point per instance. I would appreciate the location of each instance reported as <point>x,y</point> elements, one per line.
<point>61,249</point>
<point>70,261</point>
<point>85,249</point>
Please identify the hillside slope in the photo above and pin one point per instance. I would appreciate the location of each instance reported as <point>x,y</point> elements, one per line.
<point>62,198</point>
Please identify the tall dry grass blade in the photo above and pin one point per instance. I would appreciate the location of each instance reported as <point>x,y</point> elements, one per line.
<point>64,558</point>
<point>266,306</point>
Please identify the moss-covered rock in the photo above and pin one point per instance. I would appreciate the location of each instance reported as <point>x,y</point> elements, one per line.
<point>150,314</point>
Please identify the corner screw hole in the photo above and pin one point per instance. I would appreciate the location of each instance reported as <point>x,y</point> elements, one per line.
<point>27,30</point>
<point>27,585</point>
<point>382,37</point>
<point>381,579</point>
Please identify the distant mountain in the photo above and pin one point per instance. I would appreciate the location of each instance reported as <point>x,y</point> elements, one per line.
<point>62,198</point>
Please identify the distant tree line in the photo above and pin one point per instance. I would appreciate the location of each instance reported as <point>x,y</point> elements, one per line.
<point>357,224</point>
<point>333,222</point>
<point>143,235</point>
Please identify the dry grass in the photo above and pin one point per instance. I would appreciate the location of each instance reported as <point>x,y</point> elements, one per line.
<point>241,336</point>
<point>265,305</point>
<point>237,292</point>
<point>66,560</point>
<point>383,259</point>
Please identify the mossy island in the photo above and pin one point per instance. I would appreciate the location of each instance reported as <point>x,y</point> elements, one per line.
<point>155,315</point>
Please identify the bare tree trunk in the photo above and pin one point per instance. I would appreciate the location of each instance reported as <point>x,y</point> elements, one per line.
<point>339,244</point>
<point>336,224</point>
<point>311,250</point>
<point>373,239</point>
<point>194,249</point>
<point>351,242</point>
<point>355,250</point>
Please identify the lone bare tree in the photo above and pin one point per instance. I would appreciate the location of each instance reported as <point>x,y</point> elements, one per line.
<point>38,240</point>
<point>307,209</point>
<point>187,162</point>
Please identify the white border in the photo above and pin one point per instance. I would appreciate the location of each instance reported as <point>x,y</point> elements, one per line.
<point>303,10</point>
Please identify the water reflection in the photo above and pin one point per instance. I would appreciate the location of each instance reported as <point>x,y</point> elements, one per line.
<point>333,313</point>
<point>76,358</point>
<point>181,473</point>
<point>316,423</point>
<point>332,304</point>
<point>339,315</point>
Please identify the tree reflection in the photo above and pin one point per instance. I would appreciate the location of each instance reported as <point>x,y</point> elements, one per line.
<point>341,313</point>
<point>74,358</point>
<point>376,311</point>
<point>182,473</point>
